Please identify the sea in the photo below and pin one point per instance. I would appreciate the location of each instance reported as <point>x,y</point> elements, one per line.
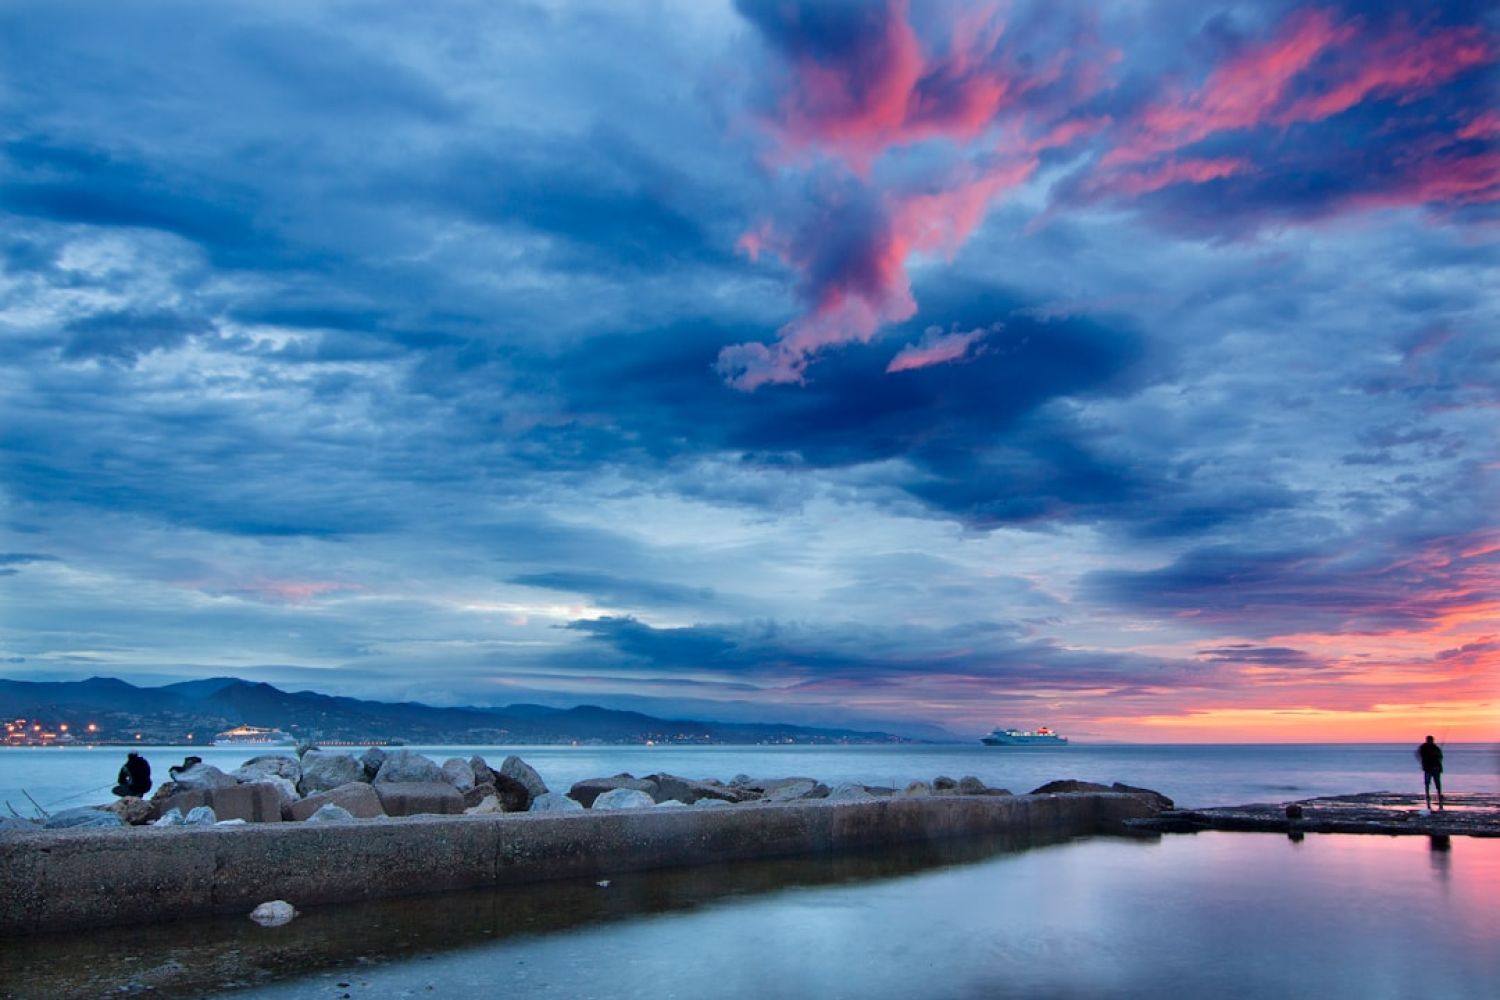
<point>1193,776</point>
<point>1208,914</point>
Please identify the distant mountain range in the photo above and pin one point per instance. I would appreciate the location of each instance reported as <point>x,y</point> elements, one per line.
<point>167,714</point>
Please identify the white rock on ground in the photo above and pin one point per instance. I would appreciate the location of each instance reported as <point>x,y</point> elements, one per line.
<point>556,802</point>
<point>274,913</point>
<point>624,798</point>
<point>330,813</point>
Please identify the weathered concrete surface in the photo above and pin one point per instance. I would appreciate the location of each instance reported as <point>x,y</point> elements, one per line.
<point>256,803</point>
<point>1388,813</point>
<point>65,879</point>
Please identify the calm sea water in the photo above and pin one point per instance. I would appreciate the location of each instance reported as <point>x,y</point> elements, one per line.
<point>1192,775</point>
<point>1208,915</point>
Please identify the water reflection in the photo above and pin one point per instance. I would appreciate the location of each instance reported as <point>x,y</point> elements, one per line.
<point>1241,915</point>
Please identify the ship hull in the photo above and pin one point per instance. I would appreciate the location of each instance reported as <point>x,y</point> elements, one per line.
<point>1025,741</point>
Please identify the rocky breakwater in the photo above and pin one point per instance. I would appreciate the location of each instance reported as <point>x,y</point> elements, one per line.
<point>517,830</point>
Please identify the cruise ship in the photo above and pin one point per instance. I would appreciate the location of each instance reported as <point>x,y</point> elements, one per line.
<point>253,736</point>
<point>1041,736</point>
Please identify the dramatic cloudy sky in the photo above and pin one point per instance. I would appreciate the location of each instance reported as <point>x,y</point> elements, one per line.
<point>1128,367</point>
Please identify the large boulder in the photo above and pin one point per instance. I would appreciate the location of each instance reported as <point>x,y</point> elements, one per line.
<point>589,789</point>
<point>486,806</point>
<point>415,798</point>
<point>325,769</point>
<point>405,767</point>
<point>132,811</point>
<point>555,802</point>
<point>917,790</point>
<point>849,792</point>
<point>623,798</point>
<point>970,785</point>
<point>482,773</point>
<point>458,773</point>
<point>203,776</point>
<point>525,775</point>
<point>671,788</point>
<point>279,765</point>
<point>1157,800</point>
<point>371,760</point>
<point>286,791</point>
<point>330,813</point>
<point>792,789</point>
<point>1068,786</point>
<point>944,784</point>
<point>356,798</point>
<point>72,819</point>
<point>259,802</point>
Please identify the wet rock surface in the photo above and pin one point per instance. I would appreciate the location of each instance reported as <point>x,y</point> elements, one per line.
<point>1387,813</point>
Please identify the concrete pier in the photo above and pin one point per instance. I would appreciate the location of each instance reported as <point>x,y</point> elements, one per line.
<point>61,880</point>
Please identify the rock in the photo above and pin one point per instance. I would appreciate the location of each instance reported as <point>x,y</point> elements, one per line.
<point>286,792</point>
<point>405,767</point>
<point>525,775</point>
<point>1068,786</point>
<point>663,804</point>
<point>458,773</point>
<point>259,802</point>
<point>916,790</point>
<point>274,913</point>
<point>200,816</point>
<point>172,817</point>
<point>16,824</point>
<point>485,806</point>
<point>1157,799</point>
<point>230,822</point>
<point>850,792</point>
<point>482,773</point>
<point>203,776</point>
<point>792,789</point>
<point>278,765</point>
<point>943,783</point>
<point>513,795</point>
<point>165,790</point>
<point>554,802</point>
<point>304,747</point>
<point>741,781</point>
<point>589,789</point>
<point>623,798</point>
<point>686,790</point>
<point>371,760</point>
<point>356,798</point>
<point>132,811</point>
<point>326,769</point>
<point>72,819</point>
<point>970,785</point>
<point>330,813</point>
<point>414,798</point>
<point>478,794</point>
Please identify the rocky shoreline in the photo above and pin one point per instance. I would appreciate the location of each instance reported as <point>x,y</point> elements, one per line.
<point>317,786</point>
<point>1385,813</point>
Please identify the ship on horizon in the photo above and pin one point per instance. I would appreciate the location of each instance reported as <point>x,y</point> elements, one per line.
<point>254,736</point>
<point>1040,736</point>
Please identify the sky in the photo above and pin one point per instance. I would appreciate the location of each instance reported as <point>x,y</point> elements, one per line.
<point>1129,368</point>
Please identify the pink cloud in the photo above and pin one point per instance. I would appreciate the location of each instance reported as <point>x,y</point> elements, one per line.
<point>869,287</point>
<point>1244,92</point>
<point>935,348</point>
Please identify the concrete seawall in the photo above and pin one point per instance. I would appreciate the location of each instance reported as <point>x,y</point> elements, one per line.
<point>72,879</point>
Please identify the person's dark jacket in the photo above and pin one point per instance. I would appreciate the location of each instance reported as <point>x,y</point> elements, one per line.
<point>135,776</point>
<point>1432,758</point>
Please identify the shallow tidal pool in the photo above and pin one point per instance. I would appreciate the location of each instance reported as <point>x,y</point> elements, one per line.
<point>1225,914</point>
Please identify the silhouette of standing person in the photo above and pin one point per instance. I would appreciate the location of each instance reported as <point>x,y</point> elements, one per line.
<point>1431,756</point>
<point>134,777</point>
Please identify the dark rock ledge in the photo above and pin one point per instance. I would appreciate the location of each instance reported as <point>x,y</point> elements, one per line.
<point>1466,814</point>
